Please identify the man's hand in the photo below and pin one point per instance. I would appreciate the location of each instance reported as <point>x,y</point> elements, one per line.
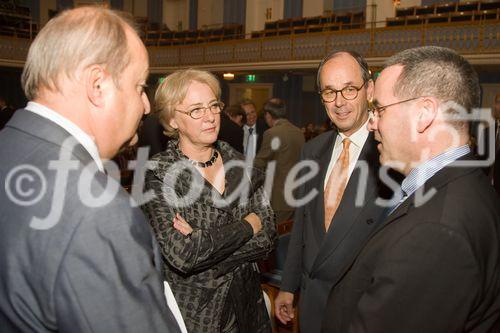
<point>254,220</point>
<point>284,306</point>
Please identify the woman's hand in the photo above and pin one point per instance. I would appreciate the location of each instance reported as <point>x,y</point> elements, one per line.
<point>181,225</point>
<point>254,220</point>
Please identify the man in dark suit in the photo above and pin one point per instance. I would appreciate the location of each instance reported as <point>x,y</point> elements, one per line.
<point>332,227</point>
<point>253,130</point>
<point>231,131</point>
<point>433,265</point>
<point>6,112</point>
<point>281,145</point>
<point>76,254</point>
<point>151,135</point>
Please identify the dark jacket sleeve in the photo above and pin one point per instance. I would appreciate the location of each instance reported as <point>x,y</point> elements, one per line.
<point>261,243</point>
<point>198,251</point>
<point>434,260</point>
<point>265,153</point>
<point>107,281</point>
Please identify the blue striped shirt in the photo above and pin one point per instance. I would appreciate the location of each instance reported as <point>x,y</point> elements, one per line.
<point>421,174</point>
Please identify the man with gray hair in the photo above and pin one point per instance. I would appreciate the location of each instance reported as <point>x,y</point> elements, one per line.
<point>281,144</point>
<point>434,263</point>
<point>76,254</point>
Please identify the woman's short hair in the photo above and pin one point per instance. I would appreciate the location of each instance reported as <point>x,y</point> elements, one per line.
<point>76,38</point>
<point>172,91</point>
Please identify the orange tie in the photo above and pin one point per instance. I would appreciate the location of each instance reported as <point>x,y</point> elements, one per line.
<point>336,183</point>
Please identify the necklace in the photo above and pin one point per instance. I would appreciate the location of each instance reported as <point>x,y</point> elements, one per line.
<point>206,164</point>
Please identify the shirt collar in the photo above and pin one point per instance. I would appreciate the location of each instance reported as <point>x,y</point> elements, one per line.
<point>247,127</point>
<point>83,138</point>
<point>358,138</point>
<point>421,174</point>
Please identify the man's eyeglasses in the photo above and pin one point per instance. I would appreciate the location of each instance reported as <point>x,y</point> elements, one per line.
<point>201,111</point>
<point>377,110</point>
<point>350,92</point>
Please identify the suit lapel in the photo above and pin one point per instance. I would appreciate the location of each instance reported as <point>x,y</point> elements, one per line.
<point>348,213</point>
<point>323,159</point>
<point>440,179</point>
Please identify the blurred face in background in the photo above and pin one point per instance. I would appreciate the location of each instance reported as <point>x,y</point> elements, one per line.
<point>251,113</point>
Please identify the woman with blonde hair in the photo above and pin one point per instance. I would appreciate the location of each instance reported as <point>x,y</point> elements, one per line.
<point>209,212</point>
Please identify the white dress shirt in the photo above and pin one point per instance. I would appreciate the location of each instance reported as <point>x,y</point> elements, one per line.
<point>250,141</point>
<point>83,138</point>
<point>358,140</point>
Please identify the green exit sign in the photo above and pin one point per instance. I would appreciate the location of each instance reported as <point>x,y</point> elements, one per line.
<point>251,78</point>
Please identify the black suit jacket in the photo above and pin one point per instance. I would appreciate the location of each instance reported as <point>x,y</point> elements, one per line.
<point>316,260</point>
<point>5,115</point>
<point>231,132</point>
<point>151,135</point>
<point>433,267</point>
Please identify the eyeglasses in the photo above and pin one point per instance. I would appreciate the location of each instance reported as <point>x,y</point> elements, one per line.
<point>201,111</point>
<point>350,92</point>
<point>377,110</point>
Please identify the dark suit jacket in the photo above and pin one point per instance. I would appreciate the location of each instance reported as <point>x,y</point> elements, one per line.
<point>88,268</point>
<point>151,135</point>
<point>231,132</point>
<point>5,115</point>
<point>430,268</point>
<point>316,260</point>
<point>261,127</point>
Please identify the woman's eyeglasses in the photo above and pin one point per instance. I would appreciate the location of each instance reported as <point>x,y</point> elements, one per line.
<point>201,111</point>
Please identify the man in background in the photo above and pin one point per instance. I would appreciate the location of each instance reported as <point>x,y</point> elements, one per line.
<point>281,144</point>
<point>6,112</point>
<point>253,130</point>
<point>76,254</point>
<point>231,122</point>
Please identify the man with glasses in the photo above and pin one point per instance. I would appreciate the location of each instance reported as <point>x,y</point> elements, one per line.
<point>331,228</point>
<point>433,266</point>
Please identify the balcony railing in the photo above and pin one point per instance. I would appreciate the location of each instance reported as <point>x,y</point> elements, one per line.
<point>479,38</point>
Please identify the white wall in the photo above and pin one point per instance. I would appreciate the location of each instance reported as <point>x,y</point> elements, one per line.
<point>45,5</point>
<point>256,13</point>
<point>312,7</point>
<point>210,12</point>
<point>128,6</point>
<point>140,8</point>
<point>175,11</point>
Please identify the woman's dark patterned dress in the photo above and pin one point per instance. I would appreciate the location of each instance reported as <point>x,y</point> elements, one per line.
<point>212,272</point>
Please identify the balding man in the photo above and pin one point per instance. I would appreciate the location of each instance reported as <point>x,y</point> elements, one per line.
<point>433,265</point>
<point>75,254</point>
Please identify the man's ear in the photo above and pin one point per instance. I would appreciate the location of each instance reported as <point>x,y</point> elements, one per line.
<point>369,90</point>
<point>95,82</point>
<point>428,111</point>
